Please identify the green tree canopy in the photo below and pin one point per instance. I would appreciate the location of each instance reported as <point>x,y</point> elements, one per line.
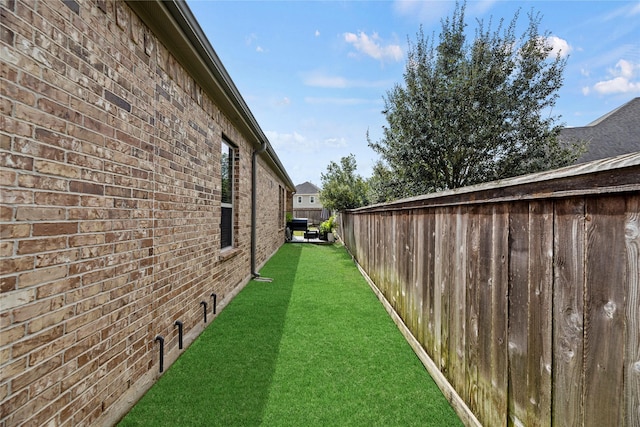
<point>471,112</point>
<point>342,188</point>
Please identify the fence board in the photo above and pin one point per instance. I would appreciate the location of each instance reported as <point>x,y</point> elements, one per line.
<point>518,312</point>
<point>539,323</point>
<point>457,294</point>
<point>632,362</point>
<point>605,307</point>
<point>474,288</point>
<point>500,315</point>
<point>481,231</point>
<point>429,282</point>
<point>441,234</point>
<point>568,312</point>
<point>418,273</point>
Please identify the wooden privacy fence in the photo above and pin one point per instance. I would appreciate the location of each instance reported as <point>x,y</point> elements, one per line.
<point>524,293</point>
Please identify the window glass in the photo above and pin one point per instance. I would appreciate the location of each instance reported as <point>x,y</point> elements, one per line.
<point>226,220</point>
<point>312,199</point>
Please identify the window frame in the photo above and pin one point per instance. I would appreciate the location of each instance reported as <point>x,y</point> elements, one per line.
<point>227,202</point>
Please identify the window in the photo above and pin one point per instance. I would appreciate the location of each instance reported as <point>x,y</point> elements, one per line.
<point>281,206</point>
<point>299,199</point>
<point>312,199</point>
<point>226,220</point>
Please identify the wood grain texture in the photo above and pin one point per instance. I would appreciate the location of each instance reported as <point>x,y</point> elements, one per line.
<point>568,312</point>
<point>518,313</point>
<point>632,359</point>
<point>529,308</point>
<point>540,282</point>
<point>605,309</point>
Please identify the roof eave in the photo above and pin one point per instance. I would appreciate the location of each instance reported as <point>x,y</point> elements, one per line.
<point>175,26</point>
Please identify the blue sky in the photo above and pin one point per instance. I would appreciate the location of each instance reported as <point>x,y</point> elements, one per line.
<point>314,73</point>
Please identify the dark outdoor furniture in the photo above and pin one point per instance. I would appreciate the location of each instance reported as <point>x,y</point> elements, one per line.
<point>300,224</point>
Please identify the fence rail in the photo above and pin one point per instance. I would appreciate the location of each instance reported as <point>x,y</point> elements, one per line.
<point>525,294</point>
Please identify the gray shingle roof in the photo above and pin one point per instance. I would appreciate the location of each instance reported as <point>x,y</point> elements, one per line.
<point>614,134</point>
<point>307,188</point>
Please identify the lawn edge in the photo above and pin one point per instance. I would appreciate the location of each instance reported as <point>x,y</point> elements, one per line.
<point>457,403</point>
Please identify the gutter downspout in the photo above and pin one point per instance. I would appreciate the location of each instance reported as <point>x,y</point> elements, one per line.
<point>254,188</point>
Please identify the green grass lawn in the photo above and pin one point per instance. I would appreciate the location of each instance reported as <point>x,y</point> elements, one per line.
<point>312,348</point>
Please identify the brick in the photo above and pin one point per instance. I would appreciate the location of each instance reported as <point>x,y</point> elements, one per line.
<point>31,413</point>
<point>30,311</point>
<point>28,213</point>
<point>16,265</point>
<point>89,162</point>
<point>6,248</point>
<point>86,187</point>
<point>44,183</point>
<point>8,284</point>
<point>16,161</point>
<point>15,231</point>
<point>53,138</point>
<point>17,400</point>
<point>79,347</point>
<point>13,196</point>
<point>47,415</point>
<point>59,169</point>
<point>55,258</point>
<point>58,287</point>
<point>32,246</point>
<point>29,147</point>
<point>59,111</point>
<point>8,178</point>
<point>11,335</point>
<point>6,213</point>
<point>86,240</point>
<point>42,275</point>
<point>54,228</point>
<point>37,340</point>
<point>27,114</point>
<point>52,348</point>
<point>56,199</point>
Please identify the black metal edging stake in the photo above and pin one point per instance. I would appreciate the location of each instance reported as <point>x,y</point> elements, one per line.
<point>205,310</point>
<point>215,297</point>
<point>179,325</point>
<point>161,339</point>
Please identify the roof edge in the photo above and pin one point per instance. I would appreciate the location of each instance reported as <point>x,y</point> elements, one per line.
<point>176,27</point>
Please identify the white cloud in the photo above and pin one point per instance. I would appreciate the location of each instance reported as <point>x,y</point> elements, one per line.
<point>372,46</point>
<point>336,142</point>
<point>338,101</point>
<point>624,78</point>
<point>317,33</point>
<point>287,140</point>
<point>558,45</point>
<point>322,80</point>
<point>259,49</point>
<point>319,79</point>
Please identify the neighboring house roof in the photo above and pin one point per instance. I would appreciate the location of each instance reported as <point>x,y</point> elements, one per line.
<point>307,188</point>
<point>614,134</point>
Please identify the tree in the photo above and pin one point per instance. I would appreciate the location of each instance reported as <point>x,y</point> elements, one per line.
<point>341,187</point>
<point>472,112</point>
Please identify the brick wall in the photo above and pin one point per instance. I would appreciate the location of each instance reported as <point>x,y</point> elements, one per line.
<point>110,210</point>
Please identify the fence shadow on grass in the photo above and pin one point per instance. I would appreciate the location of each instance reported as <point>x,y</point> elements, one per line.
<point>225,376</point>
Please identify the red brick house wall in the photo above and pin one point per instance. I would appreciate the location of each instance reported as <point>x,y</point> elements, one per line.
<point>110,203</point>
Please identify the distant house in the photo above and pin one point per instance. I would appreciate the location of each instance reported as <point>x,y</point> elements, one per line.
<point>614,134</point>
<point>306,203</point>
